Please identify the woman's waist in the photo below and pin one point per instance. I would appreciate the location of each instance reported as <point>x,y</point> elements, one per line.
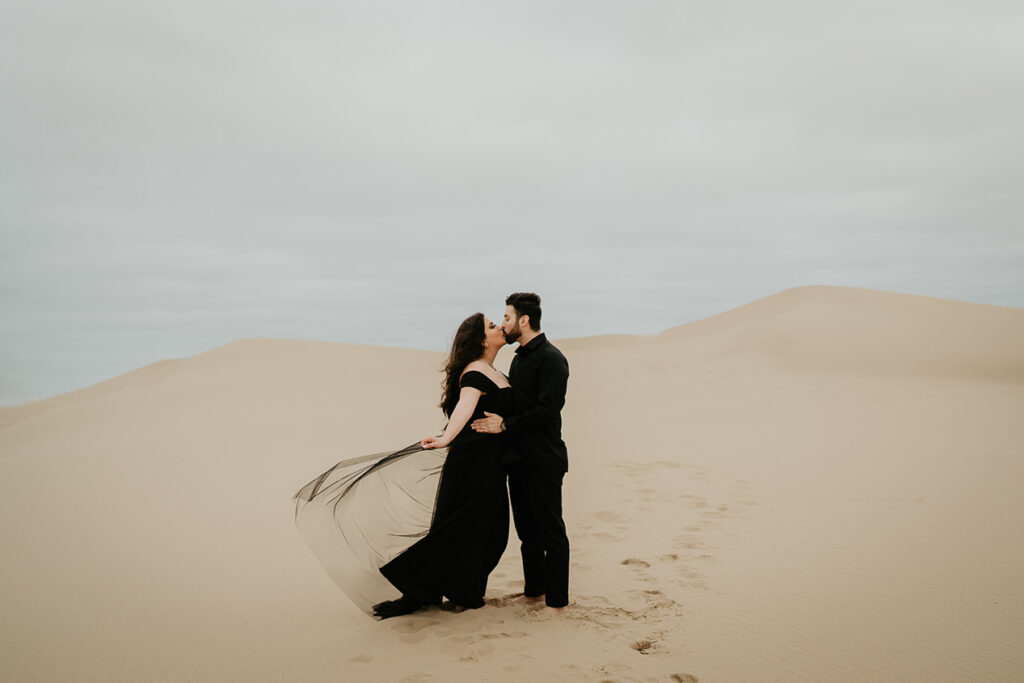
<point>469,437</point>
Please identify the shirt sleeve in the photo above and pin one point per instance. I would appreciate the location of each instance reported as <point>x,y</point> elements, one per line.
<point>477,380</point>
<point>553,376</point>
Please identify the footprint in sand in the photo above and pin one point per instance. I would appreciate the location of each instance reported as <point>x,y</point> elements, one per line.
<point>514,634</point>
<point>640,565</point>
<point>688,543</point>
<point>466,646</point>
<point>636,562</point>
<point>656,600</point>
<point>504,600</point>
<point>691,578</point>
<point>686,576</point>
<point>612,618</point>
<point>413,625</point>
<point>684,678</point>
<point>644,646</point>
<point>413,630</point>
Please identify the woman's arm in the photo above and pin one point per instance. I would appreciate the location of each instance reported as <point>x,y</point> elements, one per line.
<point>468,398</point>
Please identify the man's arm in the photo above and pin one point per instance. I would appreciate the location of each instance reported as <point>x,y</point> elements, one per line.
<point>553,378</point>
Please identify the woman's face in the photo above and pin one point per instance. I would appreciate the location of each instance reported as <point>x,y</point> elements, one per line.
<point>494,337</point>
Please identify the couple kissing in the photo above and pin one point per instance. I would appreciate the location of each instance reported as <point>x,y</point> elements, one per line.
<point>431,521</point>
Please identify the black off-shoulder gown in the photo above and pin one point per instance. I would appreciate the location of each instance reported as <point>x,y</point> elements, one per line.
<point>433,521</point>
<point>469,531</point>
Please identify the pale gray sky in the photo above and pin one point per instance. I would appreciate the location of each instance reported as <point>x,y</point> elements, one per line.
<point>175,176</point>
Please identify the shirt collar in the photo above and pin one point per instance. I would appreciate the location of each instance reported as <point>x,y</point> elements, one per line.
<point>535,343</point>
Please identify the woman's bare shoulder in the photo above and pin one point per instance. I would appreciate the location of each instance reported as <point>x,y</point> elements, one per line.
<point>477,365</point>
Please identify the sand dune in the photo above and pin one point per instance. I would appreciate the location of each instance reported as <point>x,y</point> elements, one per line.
<point>818,485</point>
<point>841,329</point>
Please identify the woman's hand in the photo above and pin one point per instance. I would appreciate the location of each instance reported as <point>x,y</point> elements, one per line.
<point>433,442</point>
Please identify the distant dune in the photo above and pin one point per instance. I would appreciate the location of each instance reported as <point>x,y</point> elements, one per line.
<point>866,331</point>
<point>238,361</point>
<point>820,485</point>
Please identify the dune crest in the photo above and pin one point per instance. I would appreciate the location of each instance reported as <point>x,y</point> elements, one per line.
<point>241,360</point>
<point>817,328</point>
<point>844,329</point>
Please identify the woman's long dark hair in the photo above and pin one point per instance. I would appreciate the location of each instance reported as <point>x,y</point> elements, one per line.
<point>467,347</point>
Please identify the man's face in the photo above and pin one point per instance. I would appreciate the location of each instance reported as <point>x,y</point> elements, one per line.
<point>510,326</point>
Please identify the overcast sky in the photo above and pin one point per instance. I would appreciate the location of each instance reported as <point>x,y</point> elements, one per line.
<point>176,176</point>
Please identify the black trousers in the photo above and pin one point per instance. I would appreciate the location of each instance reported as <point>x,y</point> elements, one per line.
<point>536,497</point>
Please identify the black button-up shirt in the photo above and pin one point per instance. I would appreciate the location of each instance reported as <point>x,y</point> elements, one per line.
<point>539,375</point>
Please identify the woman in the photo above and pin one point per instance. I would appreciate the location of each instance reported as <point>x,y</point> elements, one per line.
<point>433,517</point>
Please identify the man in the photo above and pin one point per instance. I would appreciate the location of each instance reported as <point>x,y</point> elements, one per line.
<point>538,375</point>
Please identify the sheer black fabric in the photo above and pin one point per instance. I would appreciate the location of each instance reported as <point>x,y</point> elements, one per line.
<point>424,523</point>
<point>363,512</point>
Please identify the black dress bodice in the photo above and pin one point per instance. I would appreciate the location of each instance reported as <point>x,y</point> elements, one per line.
<point>495,399</point>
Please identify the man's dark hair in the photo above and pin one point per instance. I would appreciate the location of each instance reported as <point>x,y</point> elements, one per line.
<point>526,303</point>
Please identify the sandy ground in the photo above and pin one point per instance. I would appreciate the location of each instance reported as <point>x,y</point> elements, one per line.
<point>822,485</point>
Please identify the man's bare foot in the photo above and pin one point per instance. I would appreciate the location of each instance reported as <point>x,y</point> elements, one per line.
<point>553,610</point>
<point>528,598</point>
